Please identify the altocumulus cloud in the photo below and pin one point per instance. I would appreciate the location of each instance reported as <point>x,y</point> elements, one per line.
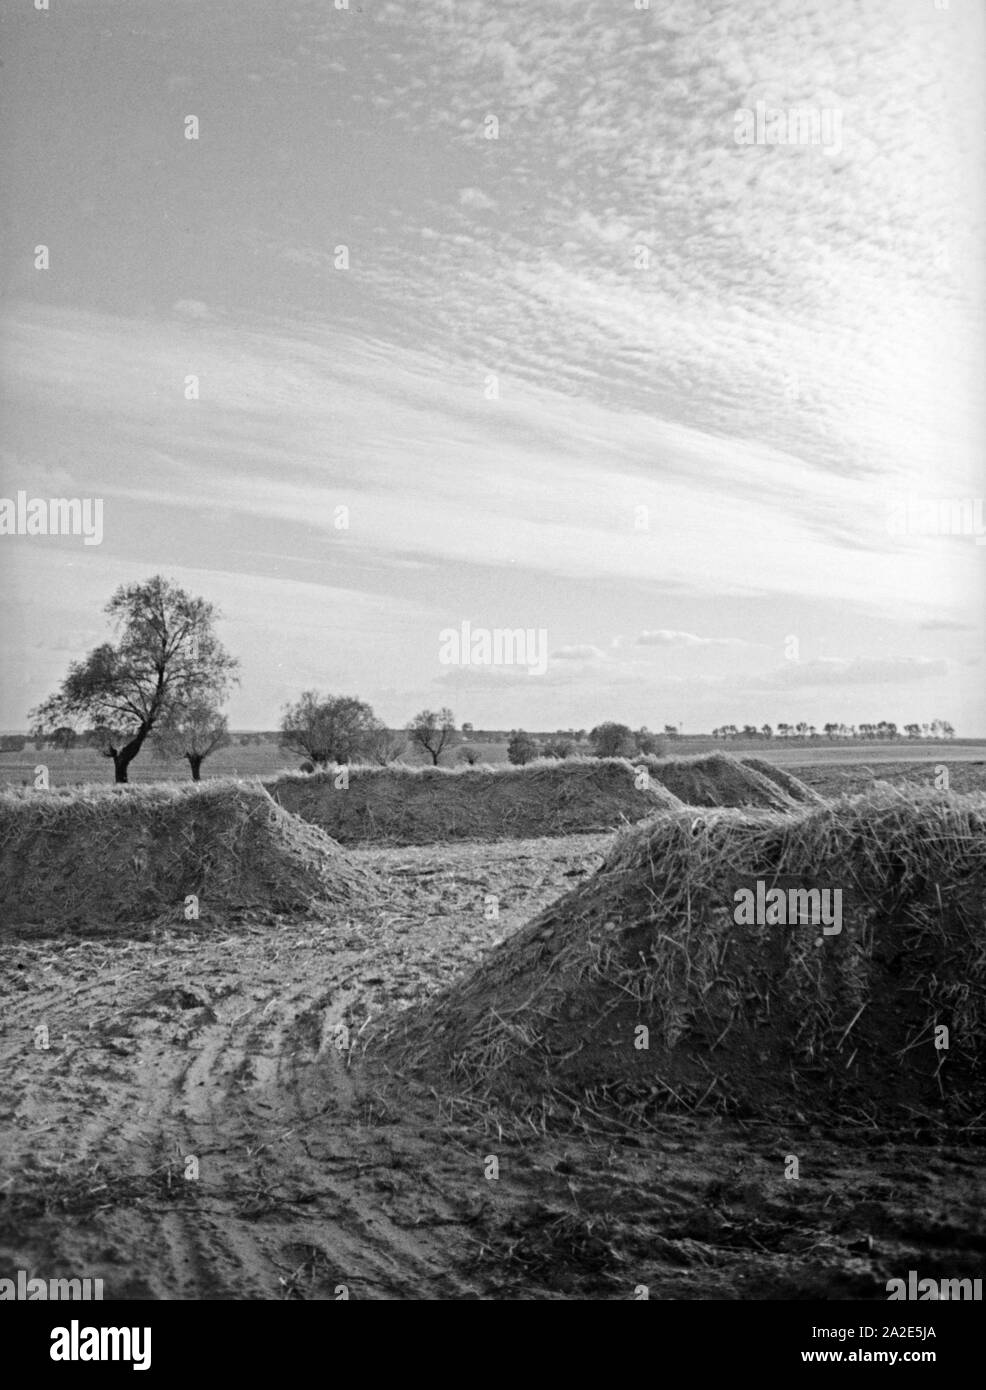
<point>475,198</point>
<point>756,348</point>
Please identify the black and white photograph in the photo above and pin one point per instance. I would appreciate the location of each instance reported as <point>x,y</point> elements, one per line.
<point>493,717</point>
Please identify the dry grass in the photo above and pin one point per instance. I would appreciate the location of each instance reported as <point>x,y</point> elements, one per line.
<point>407,806</point>
<point>125,855</point>
<point>738,1017</point>
<point>716,779</point>
<point>793,787</point>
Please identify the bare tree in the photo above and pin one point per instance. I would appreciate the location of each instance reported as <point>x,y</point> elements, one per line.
<point>194,732</point>
<point>433,731</point>
<point>386,746</point>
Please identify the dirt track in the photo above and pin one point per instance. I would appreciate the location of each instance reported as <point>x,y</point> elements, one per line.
<point>225,1047</point>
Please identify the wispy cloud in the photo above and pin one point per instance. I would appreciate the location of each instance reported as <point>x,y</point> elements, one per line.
<point>583,652</point>
<point>192,309</point>
<point>835,671</point>
<point>667,637</point>
<point>498,282</point>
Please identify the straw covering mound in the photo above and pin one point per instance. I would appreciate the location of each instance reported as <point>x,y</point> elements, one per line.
<point>716,779</point>
<point>414,806</point>
<point>640,991</point>
<point>799,792</point>
<point>129,855</point>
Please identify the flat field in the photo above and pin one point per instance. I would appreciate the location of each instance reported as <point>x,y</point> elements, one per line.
<point>75,766</point>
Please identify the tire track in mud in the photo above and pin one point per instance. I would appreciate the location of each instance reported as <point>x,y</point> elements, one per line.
<point>236,1086</point>
<point>246,1106</point>
<point>221,1045</point>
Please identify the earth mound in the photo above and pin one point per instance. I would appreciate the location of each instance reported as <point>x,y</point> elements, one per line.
<point>798,791</point>
<point>650,988</point>
<point>109,856</point>
<point>716,779</point>
<point>416,806</point>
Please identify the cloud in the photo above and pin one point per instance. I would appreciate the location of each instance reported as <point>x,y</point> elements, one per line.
<point>668,637</point>
<point>304,256</point>
<point>945,625</point>
<point>475,198</point>
<point>717,364</point>
<point>292,422</point>
<point>787,294</point>
<point>611,230</point>
<point>578,652</point>
<point>837,671</point>
<point>192,309</point>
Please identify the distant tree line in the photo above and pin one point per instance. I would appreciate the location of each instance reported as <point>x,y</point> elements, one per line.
<point>608,740</point>
<point>163,681</point>
<point>884,731</point>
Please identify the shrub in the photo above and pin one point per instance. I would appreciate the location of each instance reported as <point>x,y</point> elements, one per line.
<point>521,748</point>
<point>611,740</point>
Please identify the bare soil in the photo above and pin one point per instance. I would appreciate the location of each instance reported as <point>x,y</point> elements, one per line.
<point>239,1049</point>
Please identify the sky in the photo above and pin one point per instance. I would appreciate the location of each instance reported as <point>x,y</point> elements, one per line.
<point>514,314</point>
